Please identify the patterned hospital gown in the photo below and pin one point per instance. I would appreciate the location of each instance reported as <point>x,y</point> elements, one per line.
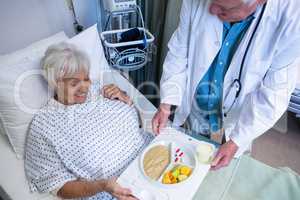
<point>94,140</point>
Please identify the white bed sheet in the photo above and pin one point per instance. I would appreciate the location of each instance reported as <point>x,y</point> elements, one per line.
<point>13,184</point>
<point>12,177</point>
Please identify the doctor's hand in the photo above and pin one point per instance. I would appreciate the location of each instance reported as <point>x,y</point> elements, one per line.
<point>112,187</point>
<point>161,118</point>
<point>114,92</point>
<point>224,155</point>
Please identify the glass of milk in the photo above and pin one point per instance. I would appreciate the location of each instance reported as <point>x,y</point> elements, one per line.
<point>205,152</point>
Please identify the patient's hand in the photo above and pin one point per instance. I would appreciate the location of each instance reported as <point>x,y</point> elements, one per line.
<point>117,191</point>
<point>114,92</point>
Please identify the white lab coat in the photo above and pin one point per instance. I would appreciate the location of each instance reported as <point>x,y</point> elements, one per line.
<point>269,74</point>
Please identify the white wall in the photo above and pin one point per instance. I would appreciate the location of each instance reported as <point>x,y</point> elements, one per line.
<point>23,22</point>
<point>87,11</point>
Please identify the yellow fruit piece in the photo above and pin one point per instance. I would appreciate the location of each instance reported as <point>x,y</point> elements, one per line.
<point>176,175</point>
<point>168,178</point>
<point>184,170</point>
<point>182,178</point>
<point>173,180</point>
<point>166,181</point>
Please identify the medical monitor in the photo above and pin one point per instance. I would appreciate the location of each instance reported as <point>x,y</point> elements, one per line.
<point>118,5</point>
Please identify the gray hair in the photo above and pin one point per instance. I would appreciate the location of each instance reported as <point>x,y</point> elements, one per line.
<point>63,59</point>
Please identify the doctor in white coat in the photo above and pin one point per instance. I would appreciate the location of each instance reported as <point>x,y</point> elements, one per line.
<point>256,85</point>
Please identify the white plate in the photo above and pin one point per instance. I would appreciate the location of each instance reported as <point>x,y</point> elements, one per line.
<point>189,159</point>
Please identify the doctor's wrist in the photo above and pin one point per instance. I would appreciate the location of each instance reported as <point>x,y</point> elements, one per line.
<point>233,144</point>
<point>234,138</point>
<point>165,108</point>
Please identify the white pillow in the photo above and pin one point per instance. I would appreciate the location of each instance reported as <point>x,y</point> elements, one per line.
<point>89,42</point>
<point>18,104</point>
<point>33,50</point>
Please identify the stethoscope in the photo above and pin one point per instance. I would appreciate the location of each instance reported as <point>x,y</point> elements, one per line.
<point>236,84</point>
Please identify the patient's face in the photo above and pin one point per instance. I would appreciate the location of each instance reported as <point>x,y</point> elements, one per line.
<point>73,89</point>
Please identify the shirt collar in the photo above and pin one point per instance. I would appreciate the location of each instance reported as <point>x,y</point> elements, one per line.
<point>227,25</point>
<point>86,107</point>
<point>268,12</point>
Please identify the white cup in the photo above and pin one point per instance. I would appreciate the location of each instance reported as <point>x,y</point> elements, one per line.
<point>205,152</point>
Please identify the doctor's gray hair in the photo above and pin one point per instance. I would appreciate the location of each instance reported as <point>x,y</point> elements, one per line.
<point>61,60</point>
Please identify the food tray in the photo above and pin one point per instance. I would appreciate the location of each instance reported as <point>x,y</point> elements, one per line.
<point>145,188</point>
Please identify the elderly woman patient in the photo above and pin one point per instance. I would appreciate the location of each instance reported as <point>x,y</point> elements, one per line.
<point>85,136</point>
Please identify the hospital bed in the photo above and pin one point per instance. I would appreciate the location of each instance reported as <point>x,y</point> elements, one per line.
<point>13,184</point>
<point>231,182</point>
